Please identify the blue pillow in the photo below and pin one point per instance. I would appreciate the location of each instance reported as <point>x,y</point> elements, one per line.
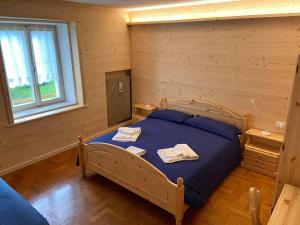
<point>213,126</point>
<point>170,115</point>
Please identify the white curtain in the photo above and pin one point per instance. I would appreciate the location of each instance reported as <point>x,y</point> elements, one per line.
<point>16,54</point>
<point>16,57</point>
<point>44,51</point>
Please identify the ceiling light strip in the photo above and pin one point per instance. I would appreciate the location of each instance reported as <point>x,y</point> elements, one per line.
<point>177,5</point>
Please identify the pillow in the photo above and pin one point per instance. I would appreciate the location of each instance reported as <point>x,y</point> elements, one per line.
<point>170,115</point>
<point>213,126</point>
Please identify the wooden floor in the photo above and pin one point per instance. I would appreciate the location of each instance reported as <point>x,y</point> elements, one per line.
<point>56,189</point>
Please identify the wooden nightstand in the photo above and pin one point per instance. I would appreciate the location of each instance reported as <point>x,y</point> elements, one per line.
<point>262,152</point>
<point>141,111</point>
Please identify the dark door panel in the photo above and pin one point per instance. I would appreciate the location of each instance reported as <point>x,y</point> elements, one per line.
<point>118,94</point>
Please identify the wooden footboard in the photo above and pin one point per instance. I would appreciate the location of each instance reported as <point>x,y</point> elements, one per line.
<point>135,174</point>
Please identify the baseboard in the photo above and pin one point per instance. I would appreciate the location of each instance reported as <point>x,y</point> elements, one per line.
<point>37,159</point>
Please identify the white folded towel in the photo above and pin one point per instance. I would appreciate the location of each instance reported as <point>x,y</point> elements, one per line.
<point>131,135</point>
<point>129,130</point>
<point>136,150</point>
<point>179,152</point>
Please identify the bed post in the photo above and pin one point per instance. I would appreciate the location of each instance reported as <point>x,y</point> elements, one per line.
<point>163,103</point>
<point>179,201</point>
<point>80,154</point>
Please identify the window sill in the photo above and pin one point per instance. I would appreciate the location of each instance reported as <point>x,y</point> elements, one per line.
<point>42,115</point>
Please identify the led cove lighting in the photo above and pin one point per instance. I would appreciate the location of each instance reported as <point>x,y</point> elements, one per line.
<point>183,4</point>
<point>213,15</point>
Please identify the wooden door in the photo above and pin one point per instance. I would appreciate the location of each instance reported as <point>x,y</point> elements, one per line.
<point>289,170</point>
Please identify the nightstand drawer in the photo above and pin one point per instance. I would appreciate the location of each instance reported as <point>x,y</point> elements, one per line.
<point>261,164</point>
<point>263,156</point>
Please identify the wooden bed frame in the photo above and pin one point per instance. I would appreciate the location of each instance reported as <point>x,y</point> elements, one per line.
<point>137,174</point>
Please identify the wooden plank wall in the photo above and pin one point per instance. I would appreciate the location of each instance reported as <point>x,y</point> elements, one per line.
<point>104,46</point>
<point>226,62</point>
<point>289,170</point>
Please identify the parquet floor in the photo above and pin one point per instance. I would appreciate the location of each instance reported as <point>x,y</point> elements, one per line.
<point>55,187</point>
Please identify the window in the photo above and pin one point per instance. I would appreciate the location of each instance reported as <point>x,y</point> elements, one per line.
<point>39,70</point>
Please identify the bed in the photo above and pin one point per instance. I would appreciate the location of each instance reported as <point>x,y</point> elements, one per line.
<point>15,210</point>
<point>173,187</point>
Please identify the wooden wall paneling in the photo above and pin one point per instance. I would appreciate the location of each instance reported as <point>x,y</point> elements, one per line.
<point>289,171</point>
<point>103,40</point>
<point>226,62</point>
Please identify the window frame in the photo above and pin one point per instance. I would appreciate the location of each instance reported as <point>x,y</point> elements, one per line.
<point>68,43</point>
<point>28,28</point>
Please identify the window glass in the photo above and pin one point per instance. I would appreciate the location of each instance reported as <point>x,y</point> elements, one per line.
<point>17,66</point>
<point>46,64</point>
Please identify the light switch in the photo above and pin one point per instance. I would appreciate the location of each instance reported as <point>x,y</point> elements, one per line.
<point>121,87</point>
<point>279,124</point>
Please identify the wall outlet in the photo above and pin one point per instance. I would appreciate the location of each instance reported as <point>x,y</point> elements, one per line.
<point>280,124</point>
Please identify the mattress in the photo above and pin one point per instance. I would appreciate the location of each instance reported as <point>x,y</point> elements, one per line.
<point>15,210</point>
<point>218,156</point>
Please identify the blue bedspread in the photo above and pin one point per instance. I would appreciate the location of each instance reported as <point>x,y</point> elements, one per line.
<point>15,210</point>
<point>218,156</point>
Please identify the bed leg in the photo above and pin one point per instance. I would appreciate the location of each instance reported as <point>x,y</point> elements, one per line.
<point>179,201</point>
<point>178,221</point>
<point>81,158</point>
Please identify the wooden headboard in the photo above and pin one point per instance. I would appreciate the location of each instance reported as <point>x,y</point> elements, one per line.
<point>207,109</point>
